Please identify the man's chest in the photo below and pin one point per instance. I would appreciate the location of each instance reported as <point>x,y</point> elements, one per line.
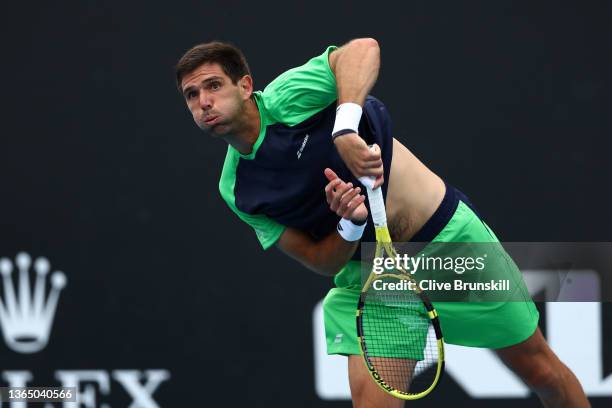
<point>285,180</point>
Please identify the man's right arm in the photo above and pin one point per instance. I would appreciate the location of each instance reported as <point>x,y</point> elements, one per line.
<point>355,66</point>
<point>328,255</point>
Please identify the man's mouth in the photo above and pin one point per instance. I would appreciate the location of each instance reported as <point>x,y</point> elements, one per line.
<point>211,121</point>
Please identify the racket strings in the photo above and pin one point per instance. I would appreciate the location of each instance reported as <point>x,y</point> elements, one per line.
<point>399,338</point>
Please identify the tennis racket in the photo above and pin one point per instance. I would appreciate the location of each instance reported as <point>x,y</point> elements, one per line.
<point>399,331</point>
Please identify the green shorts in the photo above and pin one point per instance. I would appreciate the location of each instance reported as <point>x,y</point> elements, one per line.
<point>474,324</point>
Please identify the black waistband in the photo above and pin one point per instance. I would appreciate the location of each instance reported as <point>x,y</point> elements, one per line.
<point>442,215</point>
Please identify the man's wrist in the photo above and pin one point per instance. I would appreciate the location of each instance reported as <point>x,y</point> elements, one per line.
<point>359,222</point>
<point>345,136</point>
<point>348,116</point>
<point>350,231</point>
<point>342,133</point>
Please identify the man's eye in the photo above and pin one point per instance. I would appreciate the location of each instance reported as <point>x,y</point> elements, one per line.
<point>215,85</point>
<point>191,94</point>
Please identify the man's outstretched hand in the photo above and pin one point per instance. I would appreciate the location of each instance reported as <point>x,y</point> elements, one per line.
<point>344,199</point>
<point>359,158</point>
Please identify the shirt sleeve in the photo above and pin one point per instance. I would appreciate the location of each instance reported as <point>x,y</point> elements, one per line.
<point>267,230</point>
<point>301,92</point>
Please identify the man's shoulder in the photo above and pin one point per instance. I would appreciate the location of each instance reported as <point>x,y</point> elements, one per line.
<point>300,92</point>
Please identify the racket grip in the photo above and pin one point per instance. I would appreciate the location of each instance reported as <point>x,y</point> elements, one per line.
<point>375,198</point>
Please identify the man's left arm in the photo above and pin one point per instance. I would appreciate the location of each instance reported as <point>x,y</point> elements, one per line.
<point>355,66</point>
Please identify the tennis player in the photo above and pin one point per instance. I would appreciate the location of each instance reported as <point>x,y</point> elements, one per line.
<point>294,153</point>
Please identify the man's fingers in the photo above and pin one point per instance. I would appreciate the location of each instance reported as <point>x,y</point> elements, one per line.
<point>330,174</point>
<point>379,181</point>
<point>352,206</point>
<point>330,189</point>
<point>340,191</point>
<point>349,202</point>
<point>347,197</point>
<point>373,163</point>
<point>374,172</point>
<point>345,201</point>
<point>375,149</point>
<point>331,186</point>
<point>373,153</point>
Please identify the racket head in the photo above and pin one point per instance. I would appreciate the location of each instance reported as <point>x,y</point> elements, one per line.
<point>399,333</point>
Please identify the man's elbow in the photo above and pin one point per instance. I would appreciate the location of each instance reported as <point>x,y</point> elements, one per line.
<point>363,48</point>
<point>359,48</point>
<point>366,43</point>
<point>320,257</point>
<point>322,266</point>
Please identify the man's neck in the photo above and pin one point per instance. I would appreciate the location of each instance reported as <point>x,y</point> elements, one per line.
<point>247,134</point>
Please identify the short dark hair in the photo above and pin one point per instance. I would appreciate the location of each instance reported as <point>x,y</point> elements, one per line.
<point>228,56</point>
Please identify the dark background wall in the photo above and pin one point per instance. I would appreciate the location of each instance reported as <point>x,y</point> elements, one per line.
<point>103,172</point>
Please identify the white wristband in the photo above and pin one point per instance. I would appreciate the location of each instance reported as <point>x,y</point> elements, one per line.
<point>349,231</point>
<point>348,116</point>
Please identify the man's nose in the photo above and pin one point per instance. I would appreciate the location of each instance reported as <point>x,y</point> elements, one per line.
<point>205,101</point>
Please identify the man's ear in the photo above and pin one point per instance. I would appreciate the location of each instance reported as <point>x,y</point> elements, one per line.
<point>246,86</point>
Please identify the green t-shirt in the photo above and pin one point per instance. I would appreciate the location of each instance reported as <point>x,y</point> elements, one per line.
<point>289,100</point>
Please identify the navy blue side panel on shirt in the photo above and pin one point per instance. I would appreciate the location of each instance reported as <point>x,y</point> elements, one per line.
<point>285,180</point>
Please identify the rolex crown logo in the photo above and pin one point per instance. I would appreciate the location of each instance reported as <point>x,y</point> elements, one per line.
<point>26,316</point>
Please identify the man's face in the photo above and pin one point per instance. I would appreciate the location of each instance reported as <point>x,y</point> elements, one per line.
<point>214,101</point>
